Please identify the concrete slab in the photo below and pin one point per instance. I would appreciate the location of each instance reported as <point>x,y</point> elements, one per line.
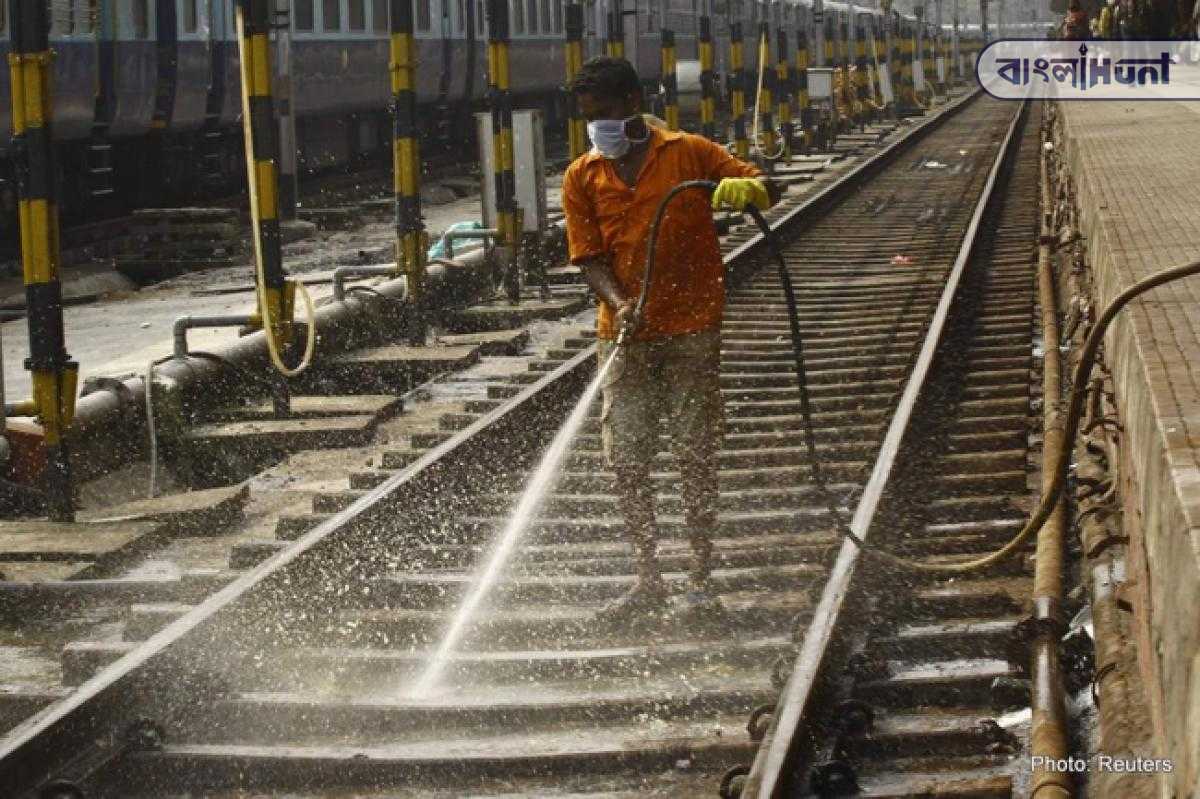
<point>189,512</point>
<point>500,314</point>
<point>381,406</point>
<point>286,435</point>
<point>393,368</point>
<point>40,572</point>
<point>72,542</point>
<point>493,342</point>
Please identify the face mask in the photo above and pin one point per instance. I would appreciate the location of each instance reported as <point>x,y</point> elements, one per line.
<point>608,136</point>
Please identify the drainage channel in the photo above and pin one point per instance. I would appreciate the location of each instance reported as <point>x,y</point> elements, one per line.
<point>292,677</point>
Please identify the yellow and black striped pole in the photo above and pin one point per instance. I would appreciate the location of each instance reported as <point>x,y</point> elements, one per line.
<point>576,127</point>
<point>785,86</point>
<point>670,80</point>
<point>704,45</point>
<point>741,145</point>
<point>406,165</point>
<point>615,47</point>
<point>802,77</point>
<point>54,374</point>
<point>765,101</point>
<point>500,98</point>
<point>860,69</point>
<point>262,140</point>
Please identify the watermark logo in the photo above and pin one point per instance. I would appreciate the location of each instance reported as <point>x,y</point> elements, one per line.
<point>1016,69</point>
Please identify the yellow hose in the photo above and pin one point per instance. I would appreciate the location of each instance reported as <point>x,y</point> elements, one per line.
<point>310,344</point>
<point>1079,383</point>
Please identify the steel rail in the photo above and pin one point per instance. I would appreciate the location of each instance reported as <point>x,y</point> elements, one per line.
<point>776,753</point>
<point>162,671</point>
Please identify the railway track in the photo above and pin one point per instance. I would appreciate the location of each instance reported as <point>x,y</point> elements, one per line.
<point>293,677</point>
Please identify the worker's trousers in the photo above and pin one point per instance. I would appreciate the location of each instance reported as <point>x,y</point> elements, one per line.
<point>676,380</point>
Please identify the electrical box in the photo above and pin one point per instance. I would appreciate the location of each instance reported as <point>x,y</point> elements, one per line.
<point>529,168</point>
<point>820,83</point>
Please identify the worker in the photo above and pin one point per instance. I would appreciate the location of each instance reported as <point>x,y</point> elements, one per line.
<point>669,360</point>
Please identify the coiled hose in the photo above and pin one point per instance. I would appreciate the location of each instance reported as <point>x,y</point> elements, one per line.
<point>1075,408</point>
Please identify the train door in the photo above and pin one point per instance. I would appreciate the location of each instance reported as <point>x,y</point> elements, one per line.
<point>194,73</point>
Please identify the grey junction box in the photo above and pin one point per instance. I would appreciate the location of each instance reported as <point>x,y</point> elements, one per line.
<point>529,167</point>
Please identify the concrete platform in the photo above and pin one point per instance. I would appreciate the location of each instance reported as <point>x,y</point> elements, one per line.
<point>392,368</point>
<point>500,314</point>
<point>1135,168</point>
<point>381,406</point>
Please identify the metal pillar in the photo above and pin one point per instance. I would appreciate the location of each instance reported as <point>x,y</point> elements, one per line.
<point>276,298</point>
<point>860,65</point>
<point>766,100</point>
<point>54,374</point>
<point>669,80</point>
<point>818,21</point>
<point>785,85</point>
<point>954,50</point>
<point>738,80</point>
<point>507,214</point>
<point>704,46</point>
<point>616,29</point>
<point>289,187</point>
<point>406,165</point>
<point>576,127</point>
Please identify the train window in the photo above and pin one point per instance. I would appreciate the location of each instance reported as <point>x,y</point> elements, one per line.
<point>331,15</point>
<point>518,17</point>
<point>379,16</point>
<point>302,13</point>
<point>358,15</point>
<point>139,11</point>
<point>423,15</point>
<point>531,14</point>
<point>191,20</point>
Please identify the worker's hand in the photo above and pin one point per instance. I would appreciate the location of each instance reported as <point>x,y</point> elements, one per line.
<point>627,318</point>
<point>737,193</point>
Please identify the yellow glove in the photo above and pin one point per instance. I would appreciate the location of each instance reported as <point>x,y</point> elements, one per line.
<point>737,193</point>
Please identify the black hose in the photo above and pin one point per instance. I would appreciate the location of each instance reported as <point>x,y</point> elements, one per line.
<point>789,293</point>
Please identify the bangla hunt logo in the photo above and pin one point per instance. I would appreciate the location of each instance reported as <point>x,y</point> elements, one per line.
<point>1017,69</point>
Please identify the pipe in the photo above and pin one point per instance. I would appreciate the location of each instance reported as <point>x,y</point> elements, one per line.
<point>185,323</point>
<point>576,127</point>
<point>108,421</point>
<point>487,234</point>
<point>406,164</point>
<point>54,374</point>
<point>341,273</point>
<point>1048,735</point>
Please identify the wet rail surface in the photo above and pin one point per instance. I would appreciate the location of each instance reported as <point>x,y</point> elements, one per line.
<point>300,686</point>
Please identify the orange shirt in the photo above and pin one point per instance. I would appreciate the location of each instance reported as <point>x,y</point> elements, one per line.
<point>605,217</point>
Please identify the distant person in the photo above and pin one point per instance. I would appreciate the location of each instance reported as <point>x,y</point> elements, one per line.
<point>1075,24</point>
<point>670,361</point>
